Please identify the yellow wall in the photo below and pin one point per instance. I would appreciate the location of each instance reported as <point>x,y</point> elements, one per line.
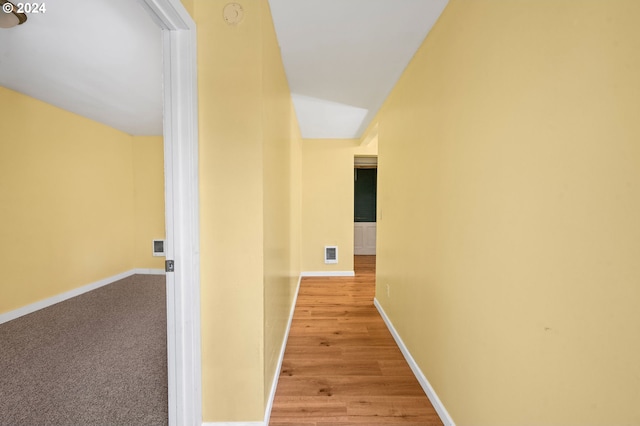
<point>148,186</point>
<point>189,5</point>
<point>369,149</point>
<point>509,198</point>
<point>246,196</point>
<point>66,185</point>
<point>231,213</point>
<point>80,201</point>
<point>295,212</point>
<point>327,201</point>
<point>281,140</point>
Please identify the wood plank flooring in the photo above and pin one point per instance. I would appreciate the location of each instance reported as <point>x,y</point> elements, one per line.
<point>341,366</point>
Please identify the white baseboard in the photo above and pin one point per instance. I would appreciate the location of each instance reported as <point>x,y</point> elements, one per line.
<point>233,424</point>
<point>45,303</point>
<point>328,274</point>
<point>274,385</point>
<point>144,271</point>
<point>426,386</point>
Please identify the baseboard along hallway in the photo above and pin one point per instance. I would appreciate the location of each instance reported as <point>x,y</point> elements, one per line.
<point>341,365</point>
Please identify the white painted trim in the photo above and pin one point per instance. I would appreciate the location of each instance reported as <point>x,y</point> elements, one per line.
<point>426,386</point>
<point>41,304</point>
<point>144,271</point>
<point>168,14</point>
<point>274,385</point>
<point>184,367</point>
<point>233,424</point>
<point>328,274</point>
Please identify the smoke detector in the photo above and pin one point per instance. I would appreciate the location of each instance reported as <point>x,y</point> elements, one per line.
<point>233,13</point>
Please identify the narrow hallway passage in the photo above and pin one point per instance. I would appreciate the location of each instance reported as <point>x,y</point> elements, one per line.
<point>341,365</point>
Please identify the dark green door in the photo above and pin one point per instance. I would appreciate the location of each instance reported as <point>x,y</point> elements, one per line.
<point>365,195</point>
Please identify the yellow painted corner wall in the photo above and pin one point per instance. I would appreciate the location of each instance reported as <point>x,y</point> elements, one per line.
<point>148,186</point>
<point>189,5</point>
<point>280,180</point>
<point>231,211</point>
<point>327,202</point>
<point>509,198</point>
<point>67,200</point>
<point>295,215</point>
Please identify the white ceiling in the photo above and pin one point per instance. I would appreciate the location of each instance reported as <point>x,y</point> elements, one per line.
<point>102,59</point>
<point>343,57</point>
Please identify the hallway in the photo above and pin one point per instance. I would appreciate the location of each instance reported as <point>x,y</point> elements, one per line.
<point>341,365</point>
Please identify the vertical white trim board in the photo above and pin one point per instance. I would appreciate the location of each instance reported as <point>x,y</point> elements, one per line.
<point>274,384</point>
<point>182,224</point>
<point>41,304</point>
<point>233,424</point>
<point>328,274</point>
<point>426,386</point>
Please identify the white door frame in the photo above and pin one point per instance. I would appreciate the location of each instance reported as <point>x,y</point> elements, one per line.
<point>181,209</point>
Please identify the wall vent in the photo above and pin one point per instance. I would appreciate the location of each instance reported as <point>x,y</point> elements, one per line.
<point>158,247</point>
<point>330,254</point>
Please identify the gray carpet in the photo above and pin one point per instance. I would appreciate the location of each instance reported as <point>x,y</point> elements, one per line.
<point>97,359</point>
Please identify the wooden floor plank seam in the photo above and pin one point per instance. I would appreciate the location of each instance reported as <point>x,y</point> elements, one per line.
<point>341,366</point>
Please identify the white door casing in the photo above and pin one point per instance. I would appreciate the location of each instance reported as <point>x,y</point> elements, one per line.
<point>181,209</point>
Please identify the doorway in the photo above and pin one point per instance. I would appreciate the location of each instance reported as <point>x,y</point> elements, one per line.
<point>181,209</point>
<point>365,175</point>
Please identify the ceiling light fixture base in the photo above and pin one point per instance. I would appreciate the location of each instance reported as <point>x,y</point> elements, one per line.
<point>9,16</point>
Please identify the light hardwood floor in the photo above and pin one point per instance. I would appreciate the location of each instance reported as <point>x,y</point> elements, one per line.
<point>341,365</point>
